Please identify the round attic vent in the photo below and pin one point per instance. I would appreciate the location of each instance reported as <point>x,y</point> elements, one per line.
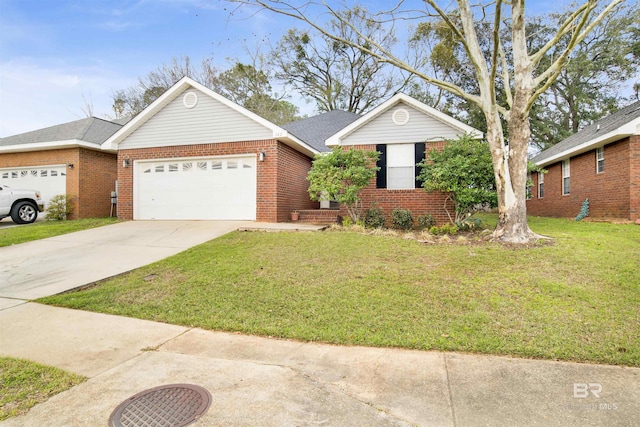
<point>400,117</point>
<point>190,99</point>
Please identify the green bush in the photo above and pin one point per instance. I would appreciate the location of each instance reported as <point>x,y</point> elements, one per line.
<point>469,224</point>
<point>374,218</point>
<point>402,219</point>
<point>347,221</point>
<point>426,221</point>
<point>60,207</point>
<point>445,229</point>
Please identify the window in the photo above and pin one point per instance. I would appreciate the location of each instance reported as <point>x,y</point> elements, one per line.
<point>232,164</point>
<point>187,166</point>
<point>216,165</point>
<point>529,186</point>
<point>600,160</point>
<point>400,166</point>
<point>173,167</point>
<point>159,169</point>
<point>202,166</point>
<point>540,185</point>
<point>566,177</point>
<point>43,173</point>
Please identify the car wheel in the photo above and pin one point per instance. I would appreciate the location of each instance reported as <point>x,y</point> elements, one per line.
<point>24,213</point>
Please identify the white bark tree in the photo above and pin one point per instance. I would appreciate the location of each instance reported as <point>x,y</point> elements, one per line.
<point>518,69</point>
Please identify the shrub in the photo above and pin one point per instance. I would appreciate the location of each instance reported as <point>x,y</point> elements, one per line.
<point>402,219</point>
<point>445,229</point>
<point>426,221</point>
<point>60,207</point>
<point>374,218</point>
<point>469,224</point>
<point>347,222</point>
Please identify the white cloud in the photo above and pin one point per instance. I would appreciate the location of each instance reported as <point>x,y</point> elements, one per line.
<point>36,96</point>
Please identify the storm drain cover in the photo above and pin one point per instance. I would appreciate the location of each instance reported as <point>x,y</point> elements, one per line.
<point>173,405</point>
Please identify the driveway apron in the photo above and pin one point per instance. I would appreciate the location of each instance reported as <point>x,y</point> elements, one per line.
<point>57,264</point>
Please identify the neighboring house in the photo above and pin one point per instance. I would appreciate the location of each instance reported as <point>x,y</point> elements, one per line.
<point>601,163</point>
<point>402,129</point>
<point>193,154</point>
<point>64,159</point>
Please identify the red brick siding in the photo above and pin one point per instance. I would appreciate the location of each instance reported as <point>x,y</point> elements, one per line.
<point>608,192</point>
<point>418,201</point>
<point>97,171</point>
<point>634,176</point>
<point>89,182</point>
<point>292,184</point>
<point>267,171</point>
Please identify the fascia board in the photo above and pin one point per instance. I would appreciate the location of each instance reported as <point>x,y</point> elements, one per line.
<point>52,145</point>
<point>631,128</point>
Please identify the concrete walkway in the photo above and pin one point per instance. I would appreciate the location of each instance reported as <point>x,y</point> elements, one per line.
<point>267,382</point>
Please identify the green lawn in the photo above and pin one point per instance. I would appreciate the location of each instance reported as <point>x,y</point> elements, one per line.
<point>577,298</point>
<point>44,229</point>
<point>23,384</point>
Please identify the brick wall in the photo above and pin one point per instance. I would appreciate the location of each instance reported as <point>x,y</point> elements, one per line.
<point>267,171</point>
<point>97,171</point>
<point>634,176</point>
<point>92,177</point>
<point>292,193</point>
<point>418,201</point>
<point>608,192</point>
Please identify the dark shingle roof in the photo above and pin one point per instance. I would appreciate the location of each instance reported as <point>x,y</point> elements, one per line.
<point>315,130</point>
<point>90,129</point>
<point>600,127</point>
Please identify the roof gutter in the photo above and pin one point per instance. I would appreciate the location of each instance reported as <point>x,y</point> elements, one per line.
<point>51,145</point>
<point>615,135</point>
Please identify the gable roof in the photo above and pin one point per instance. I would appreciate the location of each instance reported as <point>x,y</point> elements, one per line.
<point>390,103</point>
<point>180,87</point>
<point>90,132</point>
<point>315,130</point>
<point>624,122</point>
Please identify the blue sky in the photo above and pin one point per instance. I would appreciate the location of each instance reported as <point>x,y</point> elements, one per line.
<point>57,55</point>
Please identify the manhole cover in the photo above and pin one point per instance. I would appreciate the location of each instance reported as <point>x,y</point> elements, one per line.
<point>173,405</point>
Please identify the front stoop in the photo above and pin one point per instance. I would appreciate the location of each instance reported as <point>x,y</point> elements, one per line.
<point>319,216</point>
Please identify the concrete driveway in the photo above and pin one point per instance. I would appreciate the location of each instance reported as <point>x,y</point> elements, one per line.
<point>50,266</point>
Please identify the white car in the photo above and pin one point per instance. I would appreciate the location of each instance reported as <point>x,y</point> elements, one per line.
<point>22,205</point>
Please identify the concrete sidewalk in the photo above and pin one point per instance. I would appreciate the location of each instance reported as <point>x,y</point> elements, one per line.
<point>268,382</point>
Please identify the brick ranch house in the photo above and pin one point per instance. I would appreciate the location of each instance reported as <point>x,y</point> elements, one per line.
<point>64,159</point>
<point>601,163</point>
<point>194,154</point>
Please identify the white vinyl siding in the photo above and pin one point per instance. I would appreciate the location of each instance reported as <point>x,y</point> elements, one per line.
<point>208,122</point>
<point>540,185</point>
<point>383,130</point>
<point>566,177</point>
<point>401,167</point>
<point>600,160</point>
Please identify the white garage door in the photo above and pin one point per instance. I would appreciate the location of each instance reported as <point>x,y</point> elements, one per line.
<point>210,188</point>
<point>49,180</point>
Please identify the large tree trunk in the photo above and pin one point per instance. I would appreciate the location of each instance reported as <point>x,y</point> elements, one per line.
<point>510,169</point>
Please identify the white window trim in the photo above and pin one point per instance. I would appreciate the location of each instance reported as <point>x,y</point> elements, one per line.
<point>406,161</point>
<point>599,158</point>
<point>540,185</point>
<point>566,174</point>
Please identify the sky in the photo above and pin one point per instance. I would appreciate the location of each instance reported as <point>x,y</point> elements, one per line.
<point>58,56</point>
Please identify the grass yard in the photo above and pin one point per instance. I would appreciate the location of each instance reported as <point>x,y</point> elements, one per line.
<point>577,298</point>
<point>23,384</point>
<point>44,229</point>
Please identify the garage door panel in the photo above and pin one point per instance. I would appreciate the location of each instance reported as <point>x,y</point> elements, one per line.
<point>49,180</point>
<point>197,189</point>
